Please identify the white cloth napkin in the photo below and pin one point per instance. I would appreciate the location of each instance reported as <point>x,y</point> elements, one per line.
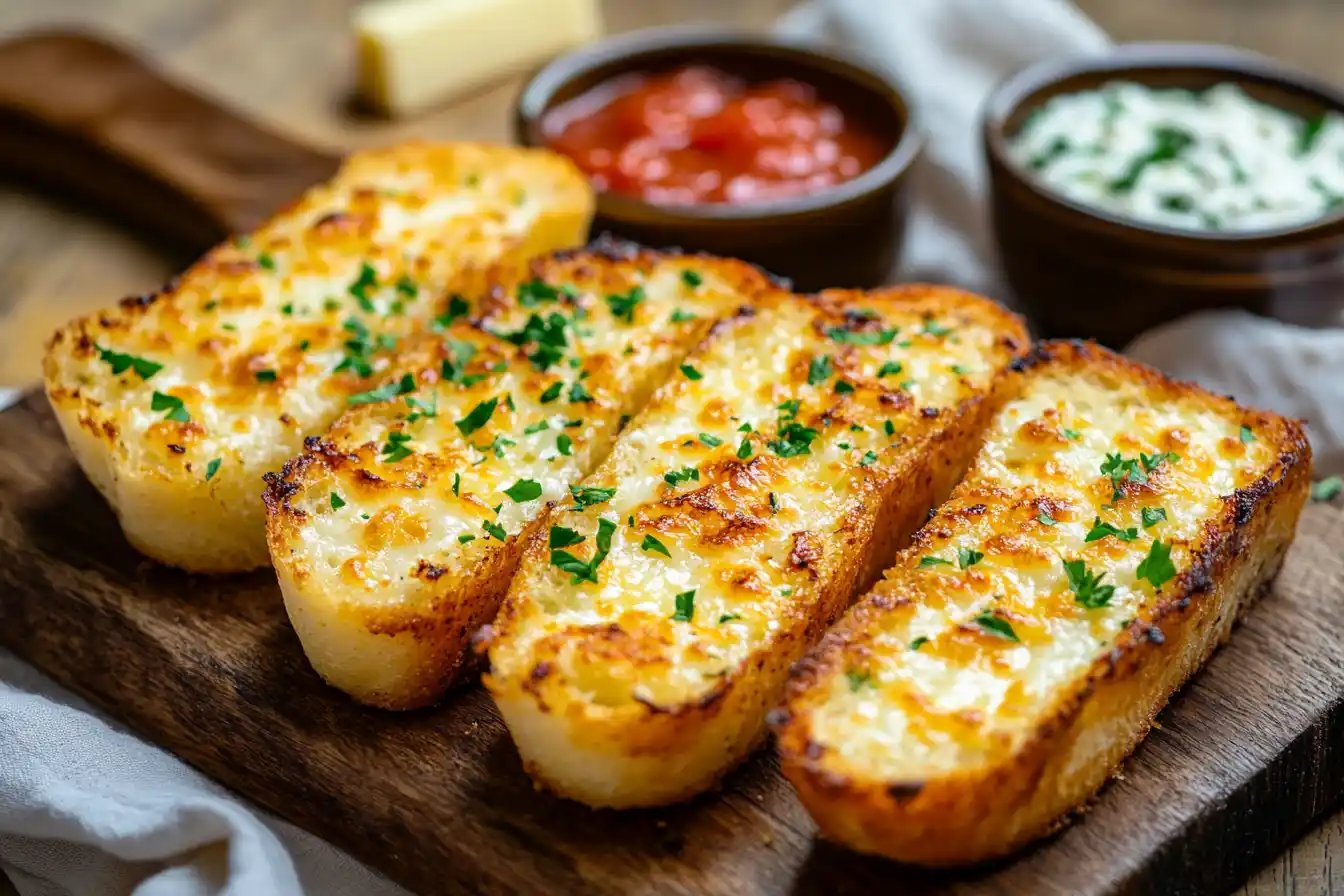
<point>86,808</point>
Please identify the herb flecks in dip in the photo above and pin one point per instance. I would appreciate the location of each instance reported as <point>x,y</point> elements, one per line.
<point>1214,160</point>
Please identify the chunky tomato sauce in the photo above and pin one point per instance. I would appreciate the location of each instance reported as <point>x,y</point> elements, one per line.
<point>699,135</point>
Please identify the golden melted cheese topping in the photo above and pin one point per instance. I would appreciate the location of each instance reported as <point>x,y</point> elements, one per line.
<point>1080,510</point>
<point>729,499</point>
<point>494,420</point>
<point>261,341</point>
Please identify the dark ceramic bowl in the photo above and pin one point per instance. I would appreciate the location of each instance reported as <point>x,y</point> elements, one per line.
<point>1080,271</point>
<point>846,235</point>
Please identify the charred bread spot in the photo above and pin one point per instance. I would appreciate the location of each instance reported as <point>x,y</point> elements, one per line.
<point>807,551</point>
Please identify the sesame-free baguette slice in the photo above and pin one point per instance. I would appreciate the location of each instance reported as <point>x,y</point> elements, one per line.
<point>648,632</point>
<point>175,404</point>
<point>396,533</point>
<point>1107,536</point>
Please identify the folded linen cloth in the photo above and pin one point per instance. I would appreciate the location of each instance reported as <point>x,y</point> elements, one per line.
<point>87,808</point>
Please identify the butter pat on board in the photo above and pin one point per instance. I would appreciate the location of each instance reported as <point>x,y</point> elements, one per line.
<point>413,54</point>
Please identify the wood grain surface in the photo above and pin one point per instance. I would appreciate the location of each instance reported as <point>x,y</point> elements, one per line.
<point>286,63</point>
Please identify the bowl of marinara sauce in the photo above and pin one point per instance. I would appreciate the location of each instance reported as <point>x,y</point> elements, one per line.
<point>749,146</point>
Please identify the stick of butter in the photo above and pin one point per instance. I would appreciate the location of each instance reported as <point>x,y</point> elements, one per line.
<point>413,54</point>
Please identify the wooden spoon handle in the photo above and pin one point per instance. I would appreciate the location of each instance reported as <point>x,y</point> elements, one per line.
<point>91,121</point>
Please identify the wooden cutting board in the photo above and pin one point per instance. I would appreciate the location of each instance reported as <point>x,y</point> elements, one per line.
<point>1246,756</point>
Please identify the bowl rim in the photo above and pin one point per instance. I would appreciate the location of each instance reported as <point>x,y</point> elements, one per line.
<point>535,96</point>
<point>1135,58</point>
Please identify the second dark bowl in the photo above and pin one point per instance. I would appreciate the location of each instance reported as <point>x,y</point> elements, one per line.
<point>848,235</point>
<point>1080,271</point>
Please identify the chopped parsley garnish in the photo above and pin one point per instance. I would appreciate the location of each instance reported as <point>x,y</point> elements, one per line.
<point>457,307</point>
<point>960,369</point>
<point>457,484</point>
<point>745,427</point>
<point>177,412</point>
<point>744,450</point>
<point>406,287</point>
<point>265,376</point>
<point>1152,516</point>
<point>585,570</point>
<point>794,439</point>
<point>685,603</point>
<point>1046,519</point>
<point>495,530</point>
<point>552,392</point>
<point>654,545</point>
<point>420,410</point>
<point>547,334</point>
<point>535,292</point>
<point>357,349</point>
<point>1101,530</point>
<point>1072,434</point>
<point>680,317</point>
<point>889,428</point>
<point>918,642</point>
<point>536,427</point>
<point>967,558</point>
<point>479,416</point>
<point>367,279</point>
<point>933,328</point>
<point>120,363</point>
<point>861,337</point>
<point>1168,143</point>
<point>587,496</point>
<point>287,308</point>
<point>623,306</point>
<point>729,617</point>
<point>692,279</point>
<point>396,449</point>
<point>1123,470</point>
<point>1157,567</point>
<point>212,468</point>
<point>929,561</point>
<point>857,679</point>
<point>524,490</point>
<point>685,474</point>
<point>385,392</point>
<point>1247,435</point>
<point>691,373</point>
<point>1310,133</point>
<point>788,410</point>
<point>563,537</point>
<point>578,392</point>
<point>1327,489</point>
<point>1056,148</point>
<point>466,537</point>
<point>843,386</point>
<point>266,261</point>
<point>1086,586</point>
<point>337,502</point>
<point>711,441</point>
<point>820,370</point>
<point>869,458</point>
<point>564,444</point>
<point>890,368</point>
<point>1001,628</point>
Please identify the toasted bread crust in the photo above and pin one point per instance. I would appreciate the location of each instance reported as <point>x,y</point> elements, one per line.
<point>977,810</point>
<point>391,624</point>
<point>250,340</point>
<point>614,704</point>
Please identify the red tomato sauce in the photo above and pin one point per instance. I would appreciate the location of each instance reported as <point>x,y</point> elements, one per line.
<point>699,135</point>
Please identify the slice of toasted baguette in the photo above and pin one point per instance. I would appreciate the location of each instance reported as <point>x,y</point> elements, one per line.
<point>775,475</point>
<point>994,680</point>
<point>175,404</point>
<point>386,532</point>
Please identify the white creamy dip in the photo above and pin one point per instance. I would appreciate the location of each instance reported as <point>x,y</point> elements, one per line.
<point>1214,160</point>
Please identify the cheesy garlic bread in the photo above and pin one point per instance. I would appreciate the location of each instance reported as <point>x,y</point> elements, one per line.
<point>1109,533</point>
<point>395,534</point>
<point>176,403</point>
<point>656,614</point>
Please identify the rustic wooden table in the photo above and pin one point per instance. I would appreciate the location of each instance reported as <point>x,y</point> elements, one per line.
<point>287,63</point>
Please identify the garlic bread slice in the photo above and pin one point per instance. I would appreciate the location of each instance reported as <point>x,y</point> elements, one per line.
<point>176,403</point>
<point>655,615</point>
<point>1111,530</point>
<point>395,534</point>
